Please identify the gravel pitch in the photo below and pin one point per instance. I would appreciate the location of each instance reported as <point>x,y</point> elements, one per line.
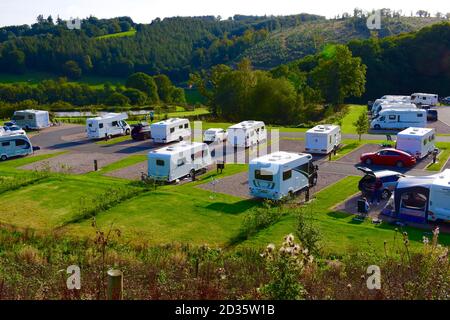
<point>131,173</point>
<point>77,163</point>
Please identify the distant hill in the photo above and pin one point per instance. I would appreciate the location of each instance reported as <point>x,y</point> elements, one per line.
<point>177,46</point>
<point>289,44</point>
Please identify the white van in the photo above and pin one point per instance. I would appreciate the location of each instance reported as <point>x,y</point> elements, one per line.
<point>400,119</point>
<point>323,139</point>
<point>393,105</point>
<point>428,99</point>
<point>418,142</point>
<point>247,133</point>
<point>422,198</point>
<point>14,145</point>
<point>279,174</point>
<point>170,130</point>
<point>215,135</point>
<point>178,161</point>
<point>108,125</point>
<point>31,119</point>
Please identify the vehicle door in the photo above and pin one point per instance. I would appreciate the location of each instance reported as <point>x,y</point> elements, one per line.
<point>392,157</point>
<point>393,120</point>
<point>22,147</point>
<point>379,158</point>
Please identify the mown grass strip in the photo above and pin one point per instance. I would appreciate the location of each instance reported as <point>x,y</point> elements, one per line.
<point>442,158</point>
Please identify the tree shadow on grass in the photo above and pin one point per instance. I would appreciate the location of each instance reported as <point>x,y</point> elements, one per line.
<point>233,208</point>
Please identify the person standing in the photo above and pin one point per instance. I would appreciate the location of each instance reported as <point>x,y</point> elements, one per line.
<point>376,194</point>
<point>152,116</point>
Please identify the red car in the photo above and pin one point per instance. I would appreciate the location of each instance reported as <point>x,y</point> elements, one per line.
<point>389,157</point>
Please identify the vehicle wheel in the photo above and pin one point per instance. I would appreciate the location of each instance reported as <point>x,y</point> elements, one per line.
<point>386,194</point>
<point>110,136</point>
<point>192,173</point>
<point>3,158</point>
<point>368,161</point>
<point>291,195</point>
<point>377,127</point>
<point>127,132</point>
<point>400,164</point>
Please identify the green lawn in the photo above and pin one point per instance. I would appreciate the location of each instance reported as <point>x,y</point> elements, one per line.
<point>350,145</point>
<point>130,33</point>
<point>114,140</point>
<point>354,112</point>
<point>442,158</point>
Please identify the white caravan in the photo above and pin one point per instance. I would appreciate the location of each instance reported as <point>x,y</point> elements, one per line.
<point>400,119</point>
<point>389,100</point>
<point>215,135</point>
<point>13,145</point>
<point>323,139</point>
<point>247,133</point>
<point>422,198</point>
<point>170,130</point>
<point>429,99</point>
<point>393,105</point>
<point>108,125</point>
<point>179,160</point>
<point>31,119</point>
<point>418,142</point>
<point>279,174</point>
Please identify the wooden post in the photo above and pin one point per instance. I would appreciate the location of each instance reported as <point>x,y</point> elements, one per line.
<point>95,165</point>
<point>115,285</point>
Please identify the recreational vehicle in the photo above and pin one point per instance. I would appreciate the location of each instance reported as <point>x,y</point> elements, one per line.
<point>422,198</point>
<point>179,160</point>
<point>400,119</point>
<point>108,125</point>
<point>31,119</point>
<point>393,105</point>
<point>215,135</point>
<point>389,99</point>
<point>418,142</point>
<point>279,174</point>
<point>425,99</point>
<point>247,133</point>
<point>170,130</point>
<point>323,139</point>
<point>13,145</point>
<point>396,98</point>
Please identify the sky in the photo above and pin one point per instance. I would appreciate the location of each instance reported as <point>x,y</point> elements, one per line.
<point>16,12</point>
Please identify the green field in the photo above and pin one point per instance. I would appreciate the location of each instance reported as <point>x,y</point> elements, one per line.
<point>179,213</point>
<point>130,33</point>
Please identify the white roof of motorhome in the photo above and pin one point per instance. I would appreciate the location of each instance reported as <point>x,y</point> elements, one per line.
<point>439,179</point>
<point>415,132</point>
<point>109,116</point>
<point>402,110</point>
<point>9,134</point>
<point>326,128</point>
<point>424,94</point>
<point>246,124</point>
<point>280,158</point>
<point>178,148</point>
<point>169,121</point>
<point>30,111</point>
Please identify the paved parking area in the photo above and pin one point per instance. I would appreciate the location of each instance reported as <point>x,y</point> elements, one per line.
<point>354,156</point>
<point>131,173</point>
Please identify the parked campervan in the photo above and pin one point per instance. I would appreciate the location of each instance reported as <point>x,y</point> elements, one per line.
<point>322,139</point>
<point>108,125</point>
<point>429,99</point>
<point>170,130</point>
<point>396,98</point>
<point>422,198</point>
<point>14,144</point>
<point>279,174</point>
<point>400,119</point>
<point>418,142</point>
<point>179,160</point>
<point>247,133</point>
<point>390,100</point>
<point>31,119</point>
<point>393,105</point>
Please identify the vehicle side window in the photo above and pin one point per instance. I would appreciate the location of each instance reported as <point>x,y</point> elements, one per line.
<point>392,153</point>
<point>186,125</point>
<point>20,143</point>
<point>303,168</point>
<point>115,124</point>
<point>6,144</point>
<point>382,118</point>
<point>90,125</point>
<point>265,176</point>
<point>181,162</point>
<point>30,117</point>
<point>287,175</point>
<point>419,115</point>
<point>392,117</point>
<point>100,125</point>
<point>180,127</point>
<point>172,130</point>
<point>160,163</point>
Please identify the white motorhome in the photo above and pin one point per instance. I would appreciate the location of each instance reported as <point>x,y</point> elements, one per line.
<point>393,105</point>
<point>396,98</point>
<point>31,119</point>
<point>399,119</point>
<point>14,144</point>
<point>418,142</point>
<point>322,139</point>
<point>170,130</point>
<point>108,125</point>
<point>429,99</point>
<point>215,135</point>
<point>179,160</point>
<point>422,198</point>
<point>247,133</point>
<point>279,174</point>
<point>389,100</point>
